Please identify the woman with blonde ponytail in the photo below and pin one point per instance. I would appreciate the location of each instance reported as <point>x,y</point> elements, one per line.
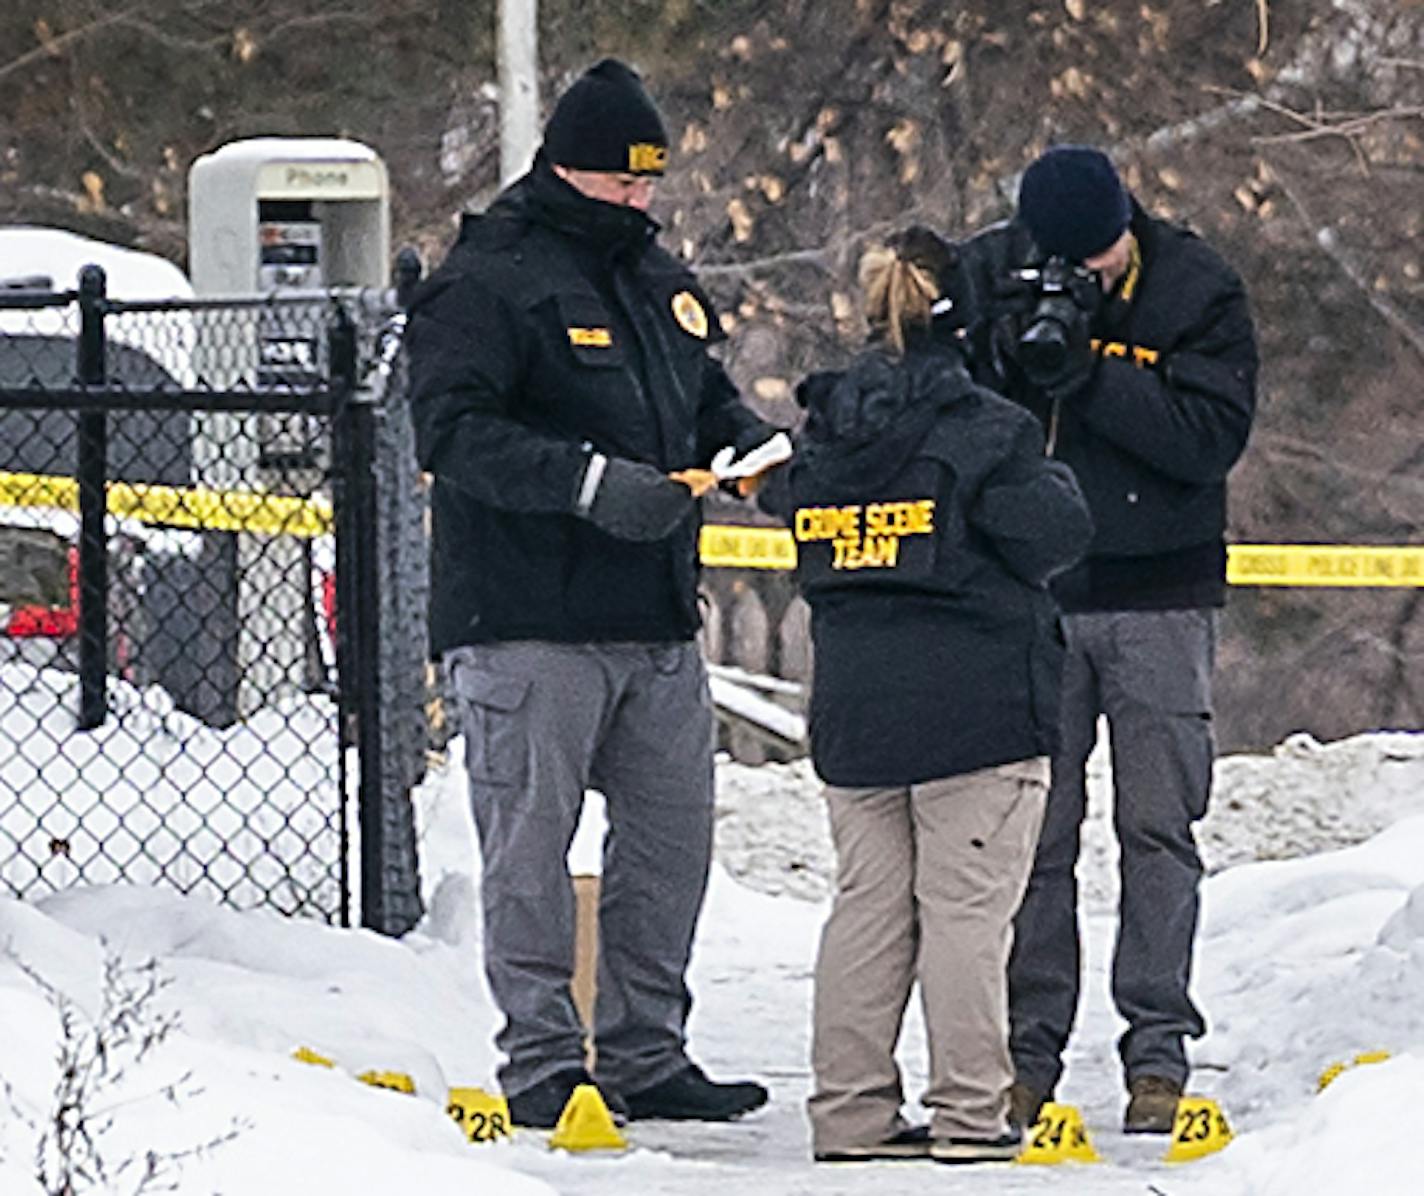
<point>898,296</point>
<point>927,521</point>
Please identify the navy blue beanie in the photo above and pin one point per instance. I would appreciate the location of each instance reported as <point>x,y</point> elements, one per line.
<point>1073,202</point>
<point>607,121</point>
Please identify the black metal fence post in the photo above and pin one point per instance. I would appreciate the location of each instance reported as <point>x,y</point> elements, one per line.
<point>90,474</point>
<point>358,613</point>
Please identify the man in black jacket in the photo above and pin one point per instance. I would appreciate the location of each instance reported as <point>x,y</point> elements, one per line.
<point>1133,343</point>
<point>562,388</point>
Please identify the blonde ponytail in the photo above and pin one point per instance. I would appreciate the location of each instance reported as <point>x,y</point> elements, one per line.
<point>897,295</point>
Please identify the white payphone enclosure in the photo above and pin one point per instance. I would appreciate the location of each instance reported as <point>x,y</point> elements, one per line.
<point>269,216</point>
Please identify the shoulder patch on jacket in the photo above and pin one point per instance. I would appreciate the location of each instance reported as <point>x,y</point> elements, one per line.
<point>690,315</point>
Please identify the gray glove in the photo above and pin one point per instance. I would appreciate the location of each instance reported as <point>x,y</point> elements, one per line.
<point>631,500</point>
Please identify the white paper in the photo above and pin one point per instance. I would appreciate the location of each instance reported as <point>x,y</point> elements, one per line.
<point>726,465</point>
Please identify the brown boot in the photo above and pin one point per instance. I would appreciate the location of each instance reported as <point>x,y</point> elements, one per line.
<point>1151,1106</point>
<point>1024,1106</point>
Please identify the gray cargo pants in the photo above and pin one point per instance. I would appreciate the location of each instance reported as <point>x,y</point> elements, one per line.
<point>543,722</point>
<point>1149,672</point>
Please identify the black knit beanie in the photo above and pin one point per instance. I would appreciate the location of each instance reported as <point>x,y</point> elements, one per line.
<point>1073,202</point>
<point>607,121</point>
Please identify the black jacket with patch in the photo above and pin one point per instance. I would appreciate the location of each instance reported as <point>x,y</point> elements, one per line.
<point>554,329</point>
<point>927,522</point>
<point>1155,433</point>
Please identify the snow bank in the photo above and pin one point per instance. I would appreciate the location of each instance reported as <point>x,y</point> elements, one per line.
<point>1301,798</point>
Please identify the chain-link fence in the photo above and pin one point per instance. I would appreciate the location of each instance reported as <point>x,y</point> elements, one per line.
<point>206,520</point>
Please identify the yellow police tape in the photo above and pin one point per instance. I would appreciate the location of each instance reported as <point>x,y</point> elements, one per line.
<point>178,506</point>
<point>1324,565</point>
<point>1247,564</point>
<point>727,546</point>
<point>722,545</point>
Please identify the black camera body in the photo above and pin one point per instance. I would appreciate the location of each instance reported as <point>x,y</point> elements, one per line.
<point>1065,296</point>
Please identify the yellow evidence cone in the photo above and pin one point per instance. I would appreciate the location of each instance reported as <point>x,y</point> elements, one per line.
<point>586,1124</point>
<point>1058,1136</point>
<point>1200,1129</point>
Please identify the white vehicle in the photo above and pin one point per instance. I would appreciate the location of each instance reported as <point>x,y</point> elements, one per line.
<point>177,590</point>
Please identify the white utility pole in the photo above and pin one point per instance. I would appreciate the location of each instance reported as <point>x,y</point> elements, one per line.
<point>518,86</point>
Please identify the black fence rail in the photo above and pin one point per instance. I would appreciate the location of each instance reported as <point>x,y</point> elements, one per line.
<point>208,514</point>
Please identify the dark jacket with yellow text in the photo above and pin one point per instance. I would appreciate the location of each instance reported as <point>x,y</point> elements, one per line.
<point>1153,436</point>
<point>556,328</point>
<point>927,522</point>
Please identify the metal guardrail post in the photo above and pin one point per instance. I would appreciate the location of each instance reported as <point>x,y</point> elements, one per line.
<point>90,473</point>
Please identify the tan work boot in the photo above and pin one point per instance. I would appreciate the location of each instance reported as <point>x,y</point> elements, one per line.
<point>1024,1106</point>
<point>1151,1106</point>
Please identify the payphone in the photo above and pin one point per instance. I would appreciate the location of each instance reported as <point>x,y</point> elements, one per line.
<point>278,216</point>
<point>274,215</point>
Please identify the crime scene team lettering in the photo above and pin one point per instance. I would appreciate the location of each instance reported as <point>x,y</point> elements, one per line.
<point>1142,357</point>
<point>865,537</point>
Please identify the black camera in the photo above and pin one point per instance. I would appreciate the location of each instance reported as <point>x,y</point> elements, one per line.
<point>1066,296</point>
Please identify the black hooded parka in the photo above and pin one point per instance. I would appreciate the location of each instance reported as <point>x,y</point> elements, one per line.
<point>928,521</point>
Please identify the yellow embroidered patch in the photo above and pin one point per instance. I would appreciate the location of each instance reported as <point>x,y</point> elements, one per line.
<point>646,158</point>
<point>590,338</point>
<point>690,315</point>
<point>1142,357</point>
<point>865,537</point>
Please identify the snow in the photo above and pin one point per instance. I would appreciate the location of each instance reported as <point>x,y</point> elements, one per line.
<point>28,251</point>
<point>154,784</point>
<point>1304,961</point>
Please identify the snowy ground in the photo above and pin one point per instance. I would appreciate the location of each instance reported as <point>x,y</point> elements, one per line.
<point>1304,962</point>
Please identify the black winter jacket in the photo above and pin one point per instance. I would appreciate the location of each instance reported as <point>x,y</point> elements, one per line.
<point>927,521</point>
<point>554,329</point>
<point>1155,433</point>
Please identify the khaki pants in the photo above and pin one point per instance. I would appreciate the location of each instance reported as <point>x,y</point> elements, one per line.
<point>928,880</point>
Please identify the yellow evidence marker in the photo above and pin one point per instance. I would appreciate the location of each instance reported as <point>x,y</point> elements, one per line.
<point>484,1116</point>
<point>586,1124</point>
<point>1058,1136</point>
<point>396,1081</point>
<point>1335,1070</point>
<point>1200,1129</point>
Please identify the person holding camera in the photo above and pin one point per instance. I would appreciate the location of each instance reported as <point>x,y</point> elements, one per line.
<point>1132,342</point>
<point>927,520</point>
<point>566,402</point>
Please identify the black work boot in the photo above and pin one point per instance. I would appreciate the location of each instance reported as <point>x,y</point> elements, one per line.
<point>688,1095</point>
<point>539,1106</point>
<point>1003,1149</point>
<point>910,1143</point>
<point>1151,1106</point>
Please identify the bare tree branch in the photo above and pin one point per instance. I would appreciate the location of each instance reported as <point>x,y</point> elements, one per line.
<point>1324,236</point>
<point>51,47</point>
<point>1350,128</point>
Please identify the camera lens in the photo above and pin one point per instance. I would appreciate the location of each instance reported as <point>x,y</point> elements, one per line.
<point>1043,349</point>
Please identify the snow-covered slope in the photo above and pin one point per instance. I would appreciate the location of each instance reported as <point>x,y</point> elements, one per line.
<point>1303,962</point>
